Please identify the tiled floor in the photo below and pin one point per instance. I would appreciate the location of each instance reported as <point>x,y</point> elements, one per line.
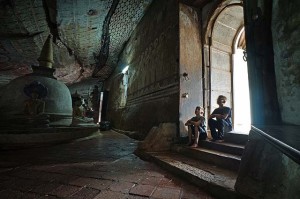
<point>101,168</point>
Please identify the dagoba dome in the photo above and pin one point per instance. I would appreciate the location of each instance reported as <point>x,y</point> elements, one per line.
<point>58,103</point>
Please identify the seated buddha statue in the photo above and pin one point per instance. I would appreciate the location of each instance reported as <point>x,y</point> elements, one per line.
<point>34,107</point>
<point>78,111</point>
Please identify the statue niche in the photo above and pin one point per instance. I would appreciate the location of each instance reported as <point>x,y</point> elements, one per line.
<point>79,110</point>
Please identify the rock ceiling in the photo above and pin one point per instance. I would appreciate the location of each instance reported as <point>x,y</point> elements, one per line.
<point>88,35</point>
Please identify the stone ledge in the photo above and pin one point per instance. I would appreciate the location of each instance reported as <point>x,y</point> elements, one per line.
<point>39,137</point>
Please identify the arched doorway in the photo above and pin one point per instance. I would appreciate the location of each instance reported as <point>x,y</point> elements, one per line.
<point>223,31</point>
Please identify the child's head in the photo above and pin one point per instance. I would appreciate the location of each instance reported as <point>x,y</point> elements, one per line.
<point>199,110</point>
<point>221,100</point>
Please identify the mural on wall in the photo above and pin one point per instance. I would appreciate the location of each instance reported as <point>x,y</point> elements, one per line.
<point>152,53</point>
<point>153,74</point>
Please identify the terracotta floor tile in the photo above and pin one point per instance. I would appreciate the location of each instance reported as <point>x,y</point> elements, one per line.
<point>10,194</point>
<point>85,193</point>
<point>166,182</point>
<point>166,193</point>
<point>65,190</point>
<point>111,195</point>
<point>46,188</point>
<point>142,190</point>
<point>151,180</point>
<point>99,184</point>
<point>121,186</point>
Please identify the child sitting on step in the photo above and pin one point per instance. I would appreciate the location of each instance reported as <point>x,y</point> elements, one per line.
<point>196,127</point>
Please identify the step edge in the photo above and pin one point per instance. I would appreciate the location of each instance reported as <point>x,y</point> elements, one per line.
<point>225,144</point>
<point>223,148</point>
<point>201,182</point>
<point>172,154</point>
<point>187,171</point>
<point>212,152</point>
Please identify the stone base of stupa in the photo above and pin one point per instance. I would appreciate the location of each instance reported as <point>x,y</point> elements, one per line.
<point>36,137</point>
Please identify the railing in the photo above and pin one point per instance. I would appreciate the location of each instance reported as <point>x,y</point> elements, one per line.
<point>284,138</point>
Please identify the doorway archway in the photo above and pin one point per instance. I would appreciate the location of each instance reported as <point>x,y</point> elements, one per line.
<point>223,30</point>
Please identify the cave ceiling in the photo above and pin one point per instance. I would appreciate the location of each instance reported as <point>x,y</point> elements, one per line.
<point>195,3</point>
<point>88,35</point>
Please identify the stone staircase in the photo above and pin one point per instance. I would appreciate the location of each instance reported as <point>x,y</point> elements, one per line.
<point>213,165</point>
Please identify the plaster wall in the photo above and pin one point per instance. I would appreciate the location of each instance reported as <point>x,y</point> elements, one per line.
<point>152,54</point>
<point>190,63</point>
<point>286,30</point>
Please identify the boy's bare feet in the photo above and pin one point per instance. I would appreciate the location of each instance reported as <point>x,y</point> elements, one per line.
<point>194,146</point>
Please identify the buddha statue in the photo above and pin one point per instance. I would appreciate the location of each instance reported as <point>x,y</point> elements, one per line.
<point>79,111</point>
<point>34,107</point>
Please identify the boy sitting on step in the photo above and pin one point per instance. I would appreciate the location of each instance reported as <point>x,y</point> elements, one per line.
<point>196,127</point>
<point>219,121</point>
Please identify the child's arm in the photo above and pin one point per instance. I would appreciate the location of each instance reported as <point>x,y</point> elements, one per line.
<point>188,122</point>
<point>197,123</point>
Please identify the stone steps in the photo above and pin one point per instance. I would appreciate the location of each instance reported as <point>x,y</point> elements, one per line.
<point>235,149</point>
<point>216,180</point>
<point>213,165</point>
<point>215,157</point>
<point>236,137</point>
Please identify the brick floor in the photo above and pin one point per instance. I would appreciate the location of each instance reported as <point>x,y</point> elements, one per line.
<point>123,187</point>
<point>111,194</point>
<point>142,190</point>
<point>166,193</point>
<point>64,191</point>
<point>100,168</point>
<point>99,184</point>
<point>85,193</point>
<point>46,188</point>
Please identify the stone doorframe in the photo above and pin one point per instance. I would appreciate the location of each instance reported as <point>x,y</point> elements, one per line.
<point>221,32</point>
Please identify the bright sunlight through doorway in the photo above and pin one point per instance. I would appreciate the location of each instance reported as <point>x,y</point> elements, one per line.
<point>242,119</point>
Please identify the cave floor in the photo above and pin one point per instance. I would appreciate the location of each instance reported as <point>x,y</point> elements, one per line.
<point>101,167</point>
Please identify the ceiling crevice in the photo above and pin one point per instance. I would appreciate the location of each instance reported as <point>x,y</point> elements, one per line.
<point>50,8</point>
<point>105,39</point>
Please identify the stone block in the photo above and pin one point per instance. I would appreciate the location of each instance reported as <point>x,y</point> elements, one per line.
<point>266,172</point>
<point>159,138</point>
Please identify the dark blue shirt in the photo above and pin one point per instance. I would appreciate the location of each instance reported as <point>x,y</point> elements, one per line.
<point>224,111</point>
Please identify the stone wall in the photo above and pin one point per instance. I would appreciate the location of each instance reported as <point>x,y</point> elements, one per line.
<point>286,30</point>
<point>190,63</point>
<point>265,172</point>
<point>260,61</point>
<point>152,54</point>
